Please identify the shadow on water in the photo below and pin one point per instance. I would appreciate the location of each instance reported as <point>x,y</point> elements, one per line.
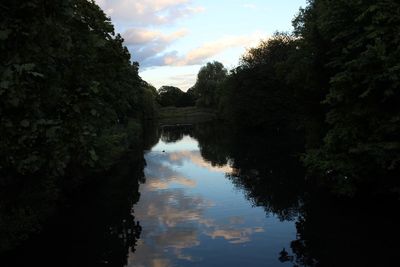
<point>96,228</point>
<point>99,229</point>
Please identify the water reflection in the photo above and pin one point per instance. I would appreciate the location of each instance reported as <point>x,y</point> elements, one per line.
<point>263,170</point>
<point>98,229</point>
<point>193,216</point>
<point>209,196</point>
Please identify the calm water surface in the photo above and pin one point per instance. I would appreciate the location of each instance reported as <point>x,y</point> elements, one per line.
<point>192,215</point>
<point>201,195</point>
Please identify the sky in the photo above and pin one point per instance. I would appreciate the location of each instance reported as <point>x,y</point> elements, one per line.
<point>173,39</point>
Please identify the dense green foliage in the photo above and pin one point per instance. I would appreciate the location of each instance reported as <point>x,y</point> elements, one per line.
<point>361,51</point>
<point>335,80</point>
<point>264,87</point>
<point>71,101</point>
<point>208,84</point>
<point>67,86</point>
<point>173,96</point>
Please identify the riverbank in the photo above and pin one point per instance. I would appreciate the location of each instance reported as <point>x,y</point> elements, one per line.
<point>185,115</point>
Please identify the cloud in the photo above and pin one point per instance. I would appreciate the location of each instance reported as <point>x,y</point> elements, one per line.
<point>183,81</point>
<point>175,219</point>
<point>138,19</point>
<point>196,158</point>
<point>154,184</point>
<point>148,12</point>
<point>235,235</point>
<point>139,36</point>
<point>145,43</point>
<point>206,51</point>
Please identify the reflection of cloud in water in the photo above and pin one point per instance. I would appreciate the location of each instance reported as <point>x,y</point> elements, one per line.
<point>172,218</point>
<point>236,220</point>
<point>169,219</point>
<point>177,158</point>
<point>154,184</point>
<point>235,236</point>
<point>147,256</point>
<point>170,207</point>
<point>196,158</point>
<point>178,238</point>
<point>160,176</point>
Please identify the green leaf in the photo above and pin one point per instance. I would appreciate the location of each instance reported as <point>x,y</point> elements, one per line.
<point>93,155</point>
<point>24,123</point>
<point>5,84</point>
<point>36,74</point>
<point>4,34</point>
<point>14,101</point>
<point>76,108</point>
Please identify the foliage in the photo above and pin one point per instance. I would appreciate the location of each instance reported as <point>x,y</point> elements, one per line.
<point>361,57</point>
<point>336,79</point>
<point>207,86</point>
<point>263,87</point>
<point>149,103</point>
<point>173,96</point>
<point>69,94</point>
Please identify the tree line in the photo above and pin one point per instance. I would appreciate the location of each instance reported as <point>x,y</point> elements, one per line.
<point>71,104</point>
<point>335,80</point>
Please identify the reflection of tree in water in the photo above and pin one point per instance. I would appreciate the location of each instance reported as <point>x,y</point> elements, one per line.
<point>268,170</point>
<point>265,165</point>
<point>330,231</point>
<point>347,232</point>
<point>214,143</point>
<point>97,229</point>
<point>25,203</point>
<point>151,135</point>
<point>172,134</point>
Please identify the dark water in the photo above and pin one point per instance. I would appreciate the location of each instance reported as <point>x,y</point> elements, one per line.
<point>208,196</point>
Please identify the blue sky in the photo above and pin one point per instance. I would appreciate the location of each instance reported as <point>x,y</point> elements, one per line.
<point>172,39</point>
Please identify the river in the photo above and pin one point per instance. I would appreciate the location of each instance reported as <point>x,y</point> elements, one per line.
<point>203,195</point>
<point>193,215</point>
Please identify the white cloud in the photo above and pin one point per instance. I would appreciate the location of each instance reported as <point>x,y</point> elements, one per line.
<point>182,77</point>
<point>206,51</point>
<point>148,12</point>
<point>139,20</point>
<point>145,43</point>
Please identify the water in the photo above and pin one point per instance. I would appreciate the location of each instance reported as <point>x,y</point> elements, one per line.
<point>201,195</point>
<point>193,215</point>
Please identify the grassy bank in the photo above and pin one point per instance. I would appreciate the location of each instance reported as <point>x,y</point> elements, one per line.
<point>185,115</point>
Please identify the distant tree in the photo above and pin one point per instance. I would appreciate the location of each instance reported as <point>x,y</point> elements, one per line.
<point>173,96</point>
<point>169,95</point>
<point>186,100</point>
<point>208,82</point>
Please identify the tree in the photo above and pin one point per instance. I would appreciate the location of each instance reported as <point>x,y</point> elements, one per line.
<point>361,47</point>
<point>70,103</point>
<point>173,96</point>
<point>169,95</point>
<point>208,82</point>
<point>263,91</point>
